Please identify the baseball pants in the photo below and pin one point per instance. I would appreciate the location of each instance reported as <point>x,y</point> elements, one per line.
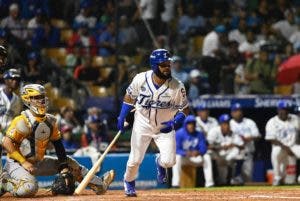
<point>140,140</point>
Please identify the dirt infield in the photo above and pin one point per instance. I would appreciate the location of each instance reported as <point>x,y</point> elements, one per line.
<point>226,193</point>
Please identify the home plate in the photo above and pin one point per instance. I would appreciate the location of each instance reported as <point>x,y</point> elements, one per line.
<point>274,197</point>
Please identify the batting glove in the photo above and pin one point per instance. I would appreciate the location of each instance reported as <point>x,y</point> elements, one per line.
<point>173,124</point>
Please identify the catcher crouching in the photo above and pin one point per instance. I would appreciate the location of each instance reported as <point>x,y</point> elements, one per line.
<point>26,142</point>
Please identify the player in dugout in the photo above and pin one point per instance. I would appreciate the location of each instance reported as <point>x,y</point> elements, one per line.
<point>26,141</point>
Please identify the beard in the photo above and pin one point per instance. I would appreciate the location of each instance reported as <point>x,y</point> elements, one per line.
<point>163,76</point>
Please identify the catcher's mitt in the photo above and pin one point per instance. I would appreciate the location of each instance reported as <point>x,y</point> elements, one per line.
<point>64,184</point>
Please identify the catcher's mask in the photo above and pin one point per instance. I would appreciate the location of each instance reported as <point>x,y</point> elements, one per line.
<point>34,97</point>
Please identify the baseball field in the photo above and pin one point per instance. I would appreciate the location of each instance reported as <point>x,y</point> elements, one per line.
<point>286,193</point>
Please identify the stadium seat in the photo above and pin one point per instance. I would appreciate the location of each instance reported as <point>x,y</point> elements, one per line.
<point>65,35</point>
<point>197,43</point>
<point>105,72</point>
<point>283,89</point>
<point>59,23</point>
<point>98,91</point>
<point>98,61</point>
<point>63,101</point>
<point>58,55</point>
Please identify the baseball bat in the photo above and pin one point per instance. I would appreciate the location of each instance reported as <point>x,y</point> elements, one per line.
<point>96,167</point>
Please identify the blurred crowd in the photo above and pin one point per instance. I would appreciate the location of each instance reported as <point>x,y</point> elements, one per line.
<point>220,47</point>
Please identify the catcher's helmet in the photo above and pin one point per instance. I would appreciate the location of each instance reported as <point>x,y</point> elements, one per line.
<point>33,96</point>
<point>158,56</point>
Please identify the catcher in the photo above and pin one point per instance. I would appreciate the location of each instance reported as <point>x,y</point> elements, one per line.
<point>26,142</point>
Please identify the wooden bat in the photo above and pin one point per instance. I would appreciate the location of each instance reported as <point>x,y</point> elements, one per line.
<point>96,167</point>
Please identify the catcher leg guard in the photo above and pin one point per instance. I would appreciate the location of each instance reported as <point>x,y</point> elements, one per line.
<point>107,179</point>
<point>3,177</point>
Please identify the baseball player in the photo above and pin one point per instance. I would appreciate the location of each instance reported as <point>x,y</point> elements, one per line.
<point>224,146</point>
<point>10,103</point>
<point>191,150</point>
<point>249,132</point>
<point>161,106</point>
<point>26,141</point>
<point>282,131</point>
<point>203,121</point>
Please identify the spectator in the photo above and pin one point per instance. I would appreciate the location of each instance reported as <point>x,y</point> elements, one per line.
<point>285,28</point>
<point>212,54</point>
<point>241,84</point>
<point>167,16</point>
<point>230,62</point>
<point>14,24</point>
<point>191,150</point>
<point>224,147</point>
<point>96,135</point>
<point>261,74</point>
<point>250,46</point>
<point>35,22</point>
<point>85,16</point>
<point>87,73</point>
<point>68,118</point>
<point>68,139</point>
<point>204,122</point>
<point>74,58</point>
<point>106,41</point>
<point>45,36</point>
<point>177,71</point>
<point>194,87</point>
<point>32,71</point>
<point>148,10</point>
<point>239,34</point>
<point>82,36</point>
<point>191,24</point>
<point>295,39</point>
<point>125,80</point>
<point>128,36</point>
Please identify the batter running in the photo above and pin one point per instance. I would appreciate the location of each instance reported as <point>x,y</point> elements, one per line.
<point>161,106</point>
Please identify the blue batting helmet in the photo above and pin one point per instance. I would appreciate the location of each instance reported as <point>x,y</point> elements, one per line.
<point>159,56</point>
<point>12,74</point>
<point>236,106</point>
<point>283,104</point>
<point>224,118</point>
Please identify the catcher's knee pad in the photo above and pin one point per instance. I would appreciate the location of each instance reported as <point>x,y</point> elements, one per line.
<point>25,188</point>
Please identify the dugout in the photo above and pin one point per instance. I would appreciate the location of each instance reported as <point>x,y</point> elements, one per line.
<point>259,108</point>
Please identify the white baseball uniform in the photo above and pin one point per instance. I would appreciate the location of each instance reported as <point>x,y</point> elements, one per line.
<point>9,108</point>
<point>285,132</point>
<point>223,157</point>
<point>153,106</point>
<point>206,126</point>
<point>246,128</point>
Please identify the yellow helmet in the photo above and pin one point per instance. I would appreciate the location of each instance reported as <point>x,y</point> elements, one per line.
<point>33,96</point>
